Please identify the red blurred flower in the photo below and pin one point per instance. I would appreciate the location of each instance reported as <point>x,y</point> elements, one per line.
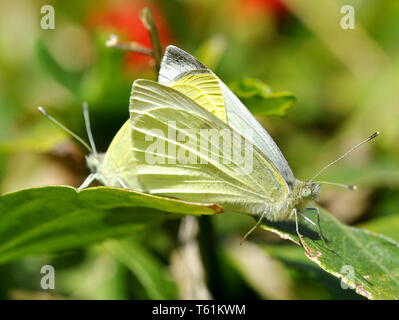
<point>123,19</point>
<point>275,7</point>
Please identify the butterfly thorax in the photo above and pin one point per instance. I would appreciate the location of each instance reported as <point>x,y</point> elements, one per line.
<point>301,193</point>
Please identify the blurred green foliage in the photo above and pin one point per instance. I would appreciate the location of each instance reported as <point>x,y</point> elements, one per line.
<point>277,42</point>
<point>260,97</point>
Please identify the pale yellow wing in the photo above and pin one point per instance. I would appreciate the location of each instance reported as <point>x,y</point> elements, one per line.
<point>176,62</point>
<point>225,178</point>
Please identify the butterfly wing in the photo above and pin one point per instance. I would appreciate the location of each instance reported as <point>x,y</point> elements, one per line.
<point>176,61</point>
<point>203,87</point>
<point>157,112</point>
<point>119,164</point>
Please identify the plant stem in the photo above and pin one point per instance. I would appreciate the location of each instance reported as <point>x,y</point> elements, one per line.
<point>115,42</point>
<point>149,23</point>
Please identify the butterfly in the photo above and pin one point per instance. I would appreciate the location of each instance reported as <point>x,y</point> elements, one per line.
<point>159,151</point>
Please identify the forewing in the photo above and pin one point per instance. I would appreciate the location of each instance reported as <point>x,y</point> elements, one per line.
<point>176,61</point>
<point>161,115</point>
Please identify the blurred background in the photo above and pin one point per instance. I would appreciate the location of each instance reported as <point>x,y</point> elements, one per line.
<point>346,83</point>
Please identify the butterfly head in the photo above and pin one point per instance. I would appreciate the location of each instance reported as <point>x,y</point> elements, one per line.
<point>311,191</point>
<point>94,161</point>
<point>304,192</point>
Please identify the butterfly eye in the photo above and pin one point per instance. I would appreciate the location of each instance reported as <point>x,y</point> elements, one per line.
<point>306,192</point>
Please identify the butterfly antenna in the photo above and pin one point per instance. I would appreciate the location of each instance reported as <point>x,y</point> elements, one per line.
<point>346,186</point>
<point>374,135</point>
<point>84,143</point>
<point>86,116</point>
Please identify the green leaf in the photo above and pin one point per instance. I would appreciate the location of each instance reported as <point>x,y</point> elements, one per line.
<point>54,218</point>
<point>373,257</point>
<point>260,99</point>
<point>149,271</point>
<point>308,281</point>
<point>70,80</point>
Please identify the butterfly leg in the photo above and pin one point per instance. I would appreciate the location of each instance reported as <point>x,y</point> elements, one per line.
<point>123,185</point>
<point>318,223</point>
<point>301,241</point>
<point>90,178</point>
<point>253,228</point>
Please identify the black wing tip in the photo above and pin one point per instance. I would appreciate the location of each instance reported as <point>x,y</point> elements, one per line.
<point>171,48</point>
